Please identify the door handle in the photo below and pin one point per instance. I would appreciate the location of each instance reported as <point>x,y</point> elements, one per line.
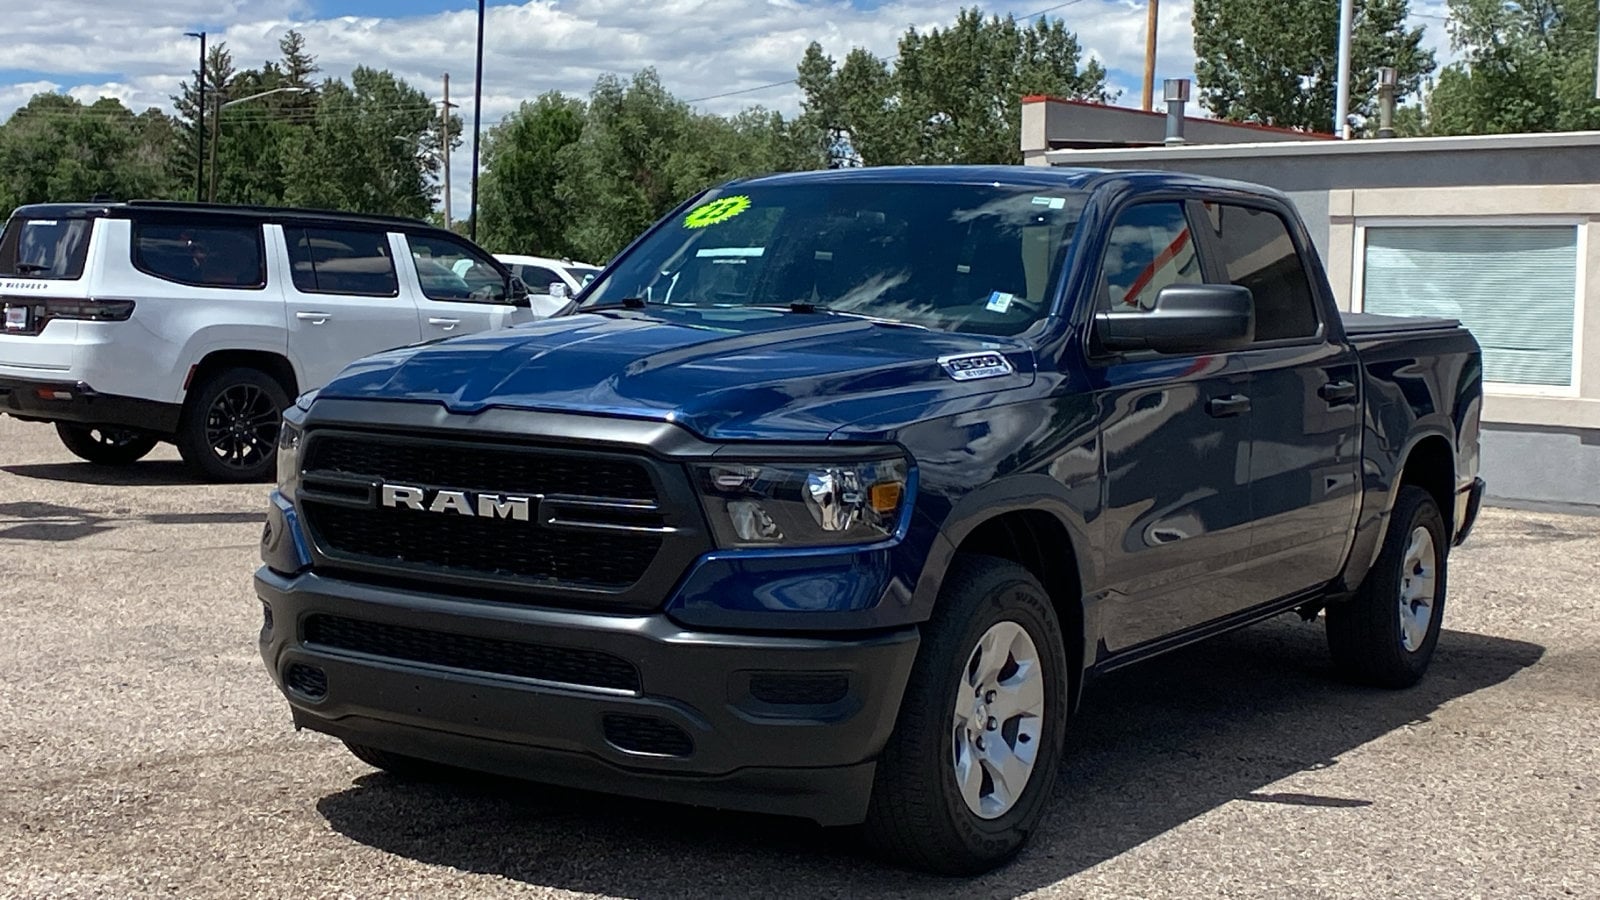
<point>446,324</point>
<point>1337,391</point>
<point>1225,407</point>
<point>315,318</point>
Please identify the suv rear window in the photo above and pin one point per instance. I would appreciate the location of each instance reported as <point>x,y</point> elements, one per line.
<point>214,255</point>
<point>45,248</point>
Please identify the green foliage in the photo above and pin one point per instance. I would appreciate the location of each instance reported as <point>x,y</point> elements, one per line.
<point>56,148</point>
<point>1275,62</point>
<point>518,191</point>
<point>951,96</point>
<point>1526,67</point>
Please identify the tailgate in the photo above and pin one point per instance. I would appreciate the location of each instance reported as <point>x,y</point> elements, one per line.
<point>26,349</point>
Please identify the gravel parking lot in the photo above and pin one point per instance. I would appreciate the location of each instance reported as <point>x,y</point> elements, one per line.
<point>144,751</point>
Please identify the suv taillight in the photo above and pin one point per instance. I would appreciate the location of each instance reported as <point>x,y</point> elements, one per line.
<point>87,310</point>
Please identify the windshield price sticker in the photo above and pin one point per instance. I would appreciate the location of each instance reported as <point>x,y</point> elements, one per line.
<point>1000,302</point>
<point>716,212</point>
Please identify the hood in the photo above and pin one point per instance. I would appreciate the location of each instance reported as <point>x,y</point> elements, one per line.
<point>725,374</point>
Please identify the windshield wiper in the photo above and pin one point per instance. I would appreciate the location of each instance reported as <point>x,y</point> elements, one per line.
<point>624,303</point>
<point>806,306</point>
<point>29,268</point>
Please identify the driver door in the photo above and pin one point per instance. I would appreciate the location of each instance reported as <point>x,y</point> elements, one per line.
<point>458,288</point>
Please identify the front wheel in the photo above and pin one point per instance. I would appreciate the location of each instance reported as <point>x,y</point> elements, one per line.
<point>966,774</point>
<point>230,427</point>
<point>105,446</point>
<point>1385,635</point>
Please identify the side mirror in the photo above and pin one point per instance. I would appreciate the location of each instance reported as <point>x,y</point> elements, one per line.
<point>1186,318</point>
<point>516,292</point>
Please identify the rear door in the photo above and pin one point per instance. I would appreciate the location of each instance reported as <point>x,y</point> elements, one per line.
<point>1175,436</point>
<point>344,298</point>
<point>1305,417</point>
<point>543,286</point>
<point>458,288</point>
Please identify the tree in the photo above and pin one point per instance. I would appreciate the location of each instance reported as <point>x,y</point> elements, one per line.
<point>1275,62</point>
<point>1526,67</point>
<point>952,95</point>
<point>56,149</point>
<point>518,192</point>
<point>371,146</point>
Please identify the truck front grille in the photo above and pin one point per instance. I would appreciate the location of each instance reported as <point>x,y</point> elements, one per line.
<point>562,665</point>
<point>595,524</point>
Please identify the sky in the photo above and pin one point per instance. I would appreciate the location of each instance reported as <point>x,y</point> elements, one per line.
<point>137,52</point>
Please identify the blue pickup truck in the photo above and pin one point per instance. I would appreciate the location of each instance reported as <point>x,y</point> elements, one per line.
<point>835,492</point>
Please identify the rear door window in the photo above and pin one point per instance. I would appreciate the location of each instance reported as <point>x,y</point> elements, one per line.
<point>207,255</point>
<point>45,248</point>
<point>339,261</point>
<point>1259,253</point>
<point>537,278</point>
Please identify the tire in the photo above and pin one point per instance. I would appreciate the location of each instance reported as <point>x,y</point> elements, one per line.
<point>1372,641</point>
<point>402,766</point>
<point>918,816</point>
<point>229,430</point>
<point>105,446</point>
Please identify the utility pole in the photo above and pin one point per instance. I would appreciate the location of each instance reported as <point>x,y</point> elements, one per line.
<point>200,119</point>
<point>444,145</point>
<point>1150,54</point>
<point>477,126</point>
<point>1341,115</point>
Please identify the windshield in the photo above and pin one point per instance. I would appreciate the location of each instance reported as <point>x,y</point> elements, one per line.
<point>45,248</point>
<point>959,257</point>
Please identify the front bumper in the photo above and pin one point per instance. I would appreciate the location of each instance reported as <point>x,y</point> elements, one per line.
<point>784,725</point>
<point>78,403</point>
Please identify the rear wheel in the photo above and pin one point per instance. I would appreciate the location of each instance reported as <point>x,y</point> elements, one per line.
<point>1386,634</point>
<point>105,446</point>
<point>230,427</point>
<point>966,774</point>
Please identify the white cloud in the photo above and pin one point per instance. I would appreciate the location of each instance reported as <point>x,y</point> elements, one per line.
<point>137,52</point>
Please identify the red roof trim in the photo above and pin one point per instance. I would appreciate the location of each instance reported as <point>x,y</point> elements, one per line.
<point>1317,135</point>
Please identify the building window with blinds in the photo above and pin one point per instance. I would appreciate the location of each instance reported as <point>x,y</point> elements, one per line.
<point>1514,286</point>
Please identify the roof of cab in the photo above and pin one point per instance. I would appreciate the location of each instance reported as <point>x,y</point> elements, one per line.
<point>1056,177</point>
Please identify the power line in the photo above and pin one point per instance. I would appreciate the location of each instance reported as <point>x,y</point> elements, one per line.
<point>763,87</point>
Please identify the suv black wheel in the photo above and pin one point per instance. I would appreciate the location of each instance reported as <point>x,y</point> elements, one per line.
<point>973,758</point>
<point>105,446</point>
<point>1386,634</point>
<point>230,426</point>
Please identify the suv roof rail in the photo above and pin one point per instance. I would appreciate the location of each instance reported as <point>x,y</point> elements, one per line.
<point>296,211</point>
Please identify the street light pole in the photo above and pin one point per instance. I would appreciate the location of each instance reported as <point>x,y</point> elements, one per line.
<point>477,125</point>
<point>1341,115</point>
<point>216,127</point>
<point>200,118</point>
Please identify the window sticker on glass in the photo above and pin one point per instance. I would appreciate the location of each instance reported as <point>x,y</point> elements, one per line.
<point>716,211</point>
<point>1000,301</point>
<point>1052,202</point>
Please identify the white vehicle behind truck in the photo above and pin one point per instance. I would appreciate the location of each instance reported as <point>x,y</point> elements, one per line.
<point>129,324</point>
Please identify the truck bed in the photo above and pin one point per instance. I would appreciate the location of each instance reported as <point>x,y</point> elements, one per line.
<point>1363,324</point>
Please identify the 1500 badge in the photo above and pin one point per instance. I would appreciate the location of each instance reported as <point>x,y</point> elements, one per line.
<point>973,366</point>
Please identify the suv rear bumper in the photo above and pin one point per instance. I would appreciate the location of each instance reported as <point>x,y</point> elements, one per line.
<point>782,725</point>
<point>76,402</point>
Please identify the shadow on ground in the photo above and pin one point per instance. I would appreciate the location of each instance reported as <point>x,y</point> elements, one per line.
<point>36,521</point>
<point>1156,745</point>
<point>145,473</point>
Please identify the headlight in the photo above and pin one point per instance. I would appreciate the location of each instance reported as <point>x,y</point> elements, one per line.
<point>797,505</point>
<point>290,437</point>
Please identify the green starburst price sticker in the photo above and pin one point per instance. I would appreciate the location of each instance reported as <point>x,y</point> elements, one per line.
<point>716,211</point>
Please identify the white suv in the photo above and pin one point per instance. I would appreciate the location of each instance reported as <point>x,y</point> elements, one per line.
<point>128,324</point>
<point>541,274</point>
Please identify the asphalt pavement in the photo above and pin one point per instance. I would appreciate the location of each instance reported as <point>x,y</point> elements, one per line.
<point>144,752</point>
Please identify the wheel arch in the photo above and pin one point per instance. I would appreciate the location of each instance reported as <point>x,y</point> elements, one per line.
<point>273,364</point>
